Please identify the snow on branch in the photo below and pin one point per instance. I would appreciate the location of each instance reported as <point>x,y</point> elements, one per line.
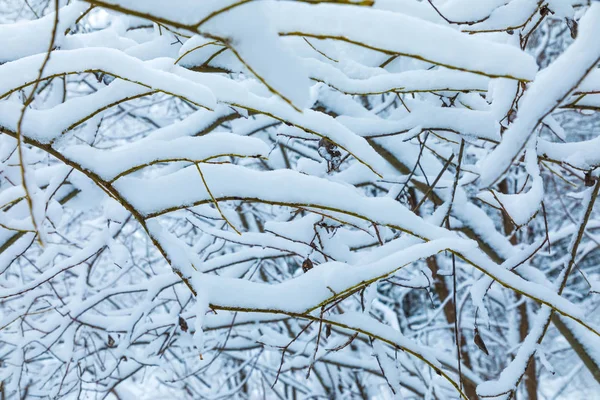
<point>299,199</point>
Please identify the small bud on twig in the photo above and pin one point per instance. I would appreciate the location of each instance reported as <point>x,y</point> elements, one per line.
<point>307,265</point>
<point>183,325</point>
<point>480,343</point>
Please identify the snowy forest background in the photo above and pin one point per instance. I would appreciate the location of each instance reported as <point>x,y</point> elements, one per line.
<point>349,199</point>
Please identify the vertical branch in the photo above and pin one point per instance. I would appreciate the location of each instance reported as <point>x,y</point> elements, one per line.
<point>454,283</point>
<point>531,383</point>
<point>580,233</point>
<point>26,104</point>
